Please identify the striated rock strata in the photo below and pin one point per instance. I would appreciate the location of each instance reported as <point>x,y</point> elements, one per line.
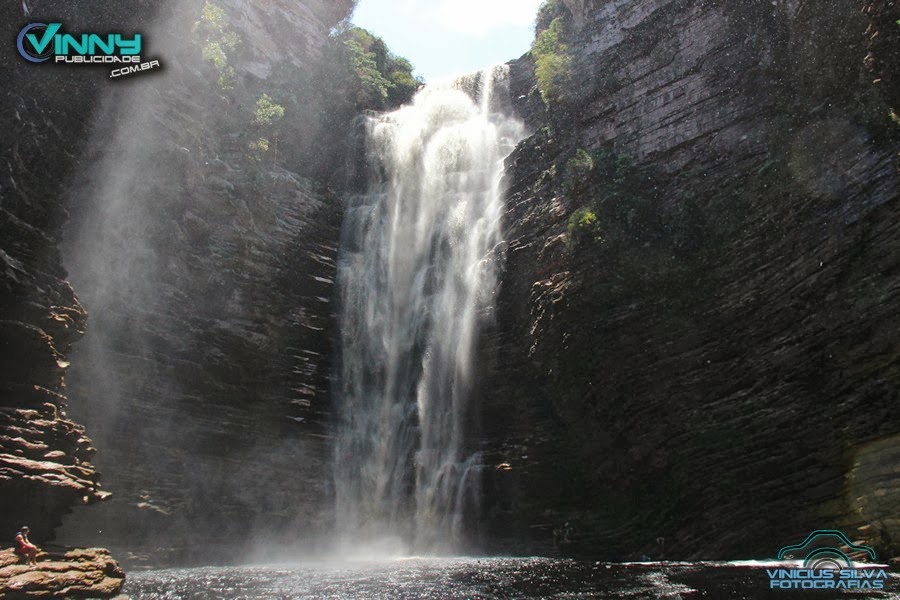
<point>74,573</point>
<point>206,271</point>
<point>706,367</point>
<point>282,31</point>
<point>45,458</point>
<point>207,265</point>
<point>44,467</point>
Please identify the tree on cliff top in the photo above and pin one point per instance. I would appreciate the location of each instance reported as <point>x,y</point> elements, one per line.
<point>373,75</point>
<point>553,62</point>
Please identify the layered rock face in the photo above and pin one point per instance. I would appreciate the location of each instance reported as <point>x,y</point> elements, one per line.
<point>883,58</point>
<point>706,369</point>
<point>88,573</point>
<point>207,270</point>
<point>282,31</point>
<point>207,273</point>
<point>45,458</point>
<point>704,366</point>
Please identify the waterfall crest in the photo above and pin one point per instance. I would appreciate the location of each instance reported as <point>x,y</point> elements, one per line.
<point>417,275</point>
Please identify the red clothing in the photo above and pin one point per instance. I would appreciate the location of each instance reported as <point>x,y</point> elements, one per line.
<point>23,546</point>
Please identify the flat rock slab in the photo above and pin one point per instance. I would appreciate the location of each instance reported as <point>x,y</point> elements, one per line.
<point>76,573</point>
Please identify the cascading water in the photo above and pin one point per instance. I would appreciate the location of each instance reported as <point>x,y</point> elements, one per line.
<point>417,274</point>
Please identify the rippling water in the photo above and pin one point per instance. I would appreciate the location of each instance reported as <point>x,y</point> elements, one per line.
<point>492,578</point>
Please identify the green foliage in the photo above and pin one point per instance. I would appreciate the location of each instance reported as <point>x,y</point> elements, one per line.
<point>585,170</point>
<point>553,62</point>
<point>400,64</point>
<point>258,149</point>
<point>623,163</point>
<point>267,112</point>
<point>636,212</point>
<point>584,218</point>
<point>321,99</point>
<point>578,170</point>
<point>375,77</point>
<point>584,226</point>
<point>581,161</point>
<point>219,41</point>
<point>374,85</point>
<point>404,86</point>
<point>264,118</point>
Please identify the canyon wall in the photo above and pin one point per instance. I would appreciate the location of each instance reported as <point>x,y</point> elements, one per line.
<point>45,457</point>
<point>203,266</point>
<point>694,353</point>
<point>203,245</point>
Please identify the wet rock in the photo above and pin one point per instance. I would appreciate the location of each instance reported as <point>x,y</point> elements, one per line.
<point>717,368</point>
<point>40,486</point>
<point>282,31</point>
<point>74,573</point>
<point>208,271</point>
<point>208,364</point>
<point>580,9</point>
<point>44,455</point>
<point>883,58</point>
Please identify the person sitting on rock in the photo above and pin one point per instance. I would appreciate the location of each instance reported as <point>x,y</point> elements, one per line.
<point>25,548</point>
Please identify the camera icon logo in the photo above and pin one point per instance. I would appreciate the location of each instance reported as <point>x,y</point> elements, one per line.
<point>827,549</point>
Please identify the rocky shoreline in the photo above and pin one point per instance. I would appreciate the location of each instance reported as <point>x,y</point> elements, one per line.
<point>61,573</point>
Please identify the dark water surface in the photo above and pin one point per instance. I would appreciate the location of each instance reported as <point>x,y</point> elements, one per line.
<point>485,578</point>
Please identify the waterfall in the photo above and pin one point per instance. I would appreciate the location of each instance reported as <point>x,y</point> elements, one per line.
<point>417,275</point>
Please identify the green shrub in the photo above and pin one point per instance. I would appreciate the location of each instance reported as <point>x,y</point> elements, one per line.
<point>581,161</point>
<point>585,170</point>
<point>258,149</point>
<point>623,163</point>
<point>267,112</point>
<point>374,86</point>
<point>374,76</point>
<point>578,172</point>
<point>404,87</point>
<point>546,177</point>
<point>219,41</point>
<point>584,226</point>
<point>553,63</point>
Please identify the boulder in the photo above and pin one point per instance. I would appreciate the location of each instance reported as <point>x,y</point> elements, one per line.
<point>64,573</point>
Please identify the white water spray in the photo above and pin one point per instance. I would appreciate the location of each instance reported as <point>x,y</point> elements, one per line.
<point>417,274</point>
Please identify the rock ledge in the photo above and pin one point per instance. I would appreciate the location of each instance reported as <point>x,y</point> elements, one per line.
<point>64,573</point>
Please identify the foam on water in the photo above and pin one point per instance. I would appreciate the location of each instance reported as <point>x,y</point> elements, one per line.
<point>417,274</point>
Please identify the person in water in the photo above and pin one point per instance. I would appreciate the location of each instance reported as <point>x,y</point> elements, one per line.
<point>25,548</point>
